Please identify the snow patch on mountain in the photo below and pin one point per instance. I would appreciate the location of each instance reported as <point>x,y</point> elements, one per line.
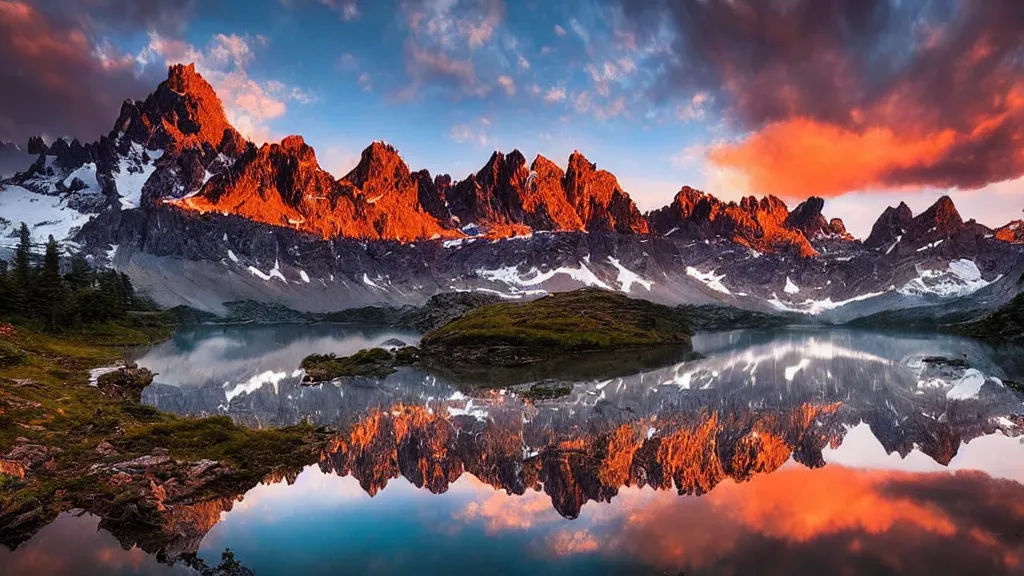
<point>133,172</point>
<point>87,174</point>
<point>371,283</point>
<point>45,216</point>
<point>962,277</point>
<point>627,277</point>
<point>816,307</point>
<point>967,386</point>
<point>274,272</point>
<point>511,276</point>
<point>790,288</point>
<point>709,279</point>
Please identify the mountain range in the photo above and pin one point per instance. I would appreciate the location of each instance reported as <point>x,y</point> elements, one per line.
<point>197,215</point>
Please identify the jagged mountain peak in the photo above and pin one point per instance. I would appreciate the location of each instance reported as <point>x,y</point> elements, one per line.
<point>184,111</point>
<point>890,226</point>
<point>543,162</point>
<point>1012,231</point>
<point>578,162</point>
<point>760,223</point>
<point>943,212</point>
<point>378,161</point>
<point>183,79</point>
<point>291,151</point>
<point>808,218</point>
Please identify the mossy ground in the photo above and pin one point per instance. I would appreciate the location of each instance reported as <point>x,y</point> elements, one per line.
<point>45,397</point>
<point>370,363</point>
<point>1005,324</point>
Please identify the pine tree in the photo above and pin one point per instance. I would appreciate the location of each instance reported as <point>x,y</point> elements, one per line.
<point>80,276</point>
<point>8,296</point>
<point>22,272</point>
<point>51,292</point>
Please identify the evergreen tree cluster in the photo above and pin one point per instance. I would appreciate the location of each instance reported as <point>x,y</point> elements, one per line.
<point>37,291</point>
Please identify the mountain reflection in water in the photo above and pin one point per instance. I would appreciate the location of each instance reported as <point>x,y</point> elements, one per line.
<point>814,451</point>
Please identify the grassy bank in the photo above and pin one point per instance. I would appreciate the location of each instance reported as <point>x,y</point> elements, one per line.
<point>63,442</point>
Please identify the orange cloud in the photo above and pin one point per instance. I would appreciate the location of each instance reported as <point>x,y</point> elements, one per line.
<point>832,519</point>
<point>803,156</point>
<point>801,504</point>
<point>501,511</point>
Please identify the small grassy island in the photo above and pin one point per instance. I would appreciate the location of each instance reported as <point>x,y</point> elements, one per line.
<point>371,363</point>
<point>556,326</point>
<point>588,333</point>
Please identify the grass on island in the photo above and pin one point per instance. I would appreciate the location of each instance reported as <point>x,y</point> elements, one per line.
<point>371,363</point>
<point>573,335</point>
<point>582,321</point>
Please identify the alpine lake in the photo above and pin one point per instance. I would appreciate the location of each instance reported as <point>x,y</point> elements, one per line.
<point>787,451</point>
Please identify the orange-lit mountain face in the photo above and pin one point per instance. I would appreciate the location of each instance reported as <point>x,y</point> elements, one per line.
<point>1012,232</point>
<point>766,225</point>
<point>692,455</point>
<point>283,184</point>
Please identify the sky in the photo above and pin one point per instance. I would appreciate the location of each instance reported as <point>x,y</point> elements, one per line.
<point>864,102</point>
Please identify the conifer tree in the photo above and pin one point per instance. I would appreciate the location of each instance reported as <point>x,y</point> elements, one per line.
<point>80,276</point>
<point>51,293</point>
<point>22,271</point>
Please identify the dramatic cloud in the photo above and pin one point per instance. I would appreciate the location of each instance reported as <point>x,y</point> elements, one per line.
<point>55,80</point>
<point>833,520</point>
<point>429,67</point>
<point>845,95</point>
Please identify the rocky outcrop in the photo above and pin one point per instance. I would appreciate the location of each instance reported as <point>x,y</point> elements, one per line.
<point>941,220</point>
<point>1012,232</point>
<point>546,199</point>
<point>807,218</point>
<point>898,231</point>
<point>391,201</point>
<point>763,225</point>
<point>599,200</point>
<point>283,185</point>
<point>492,198</point>
<point>507,197</point>
<point>184,112</point>
<point>890,226</point>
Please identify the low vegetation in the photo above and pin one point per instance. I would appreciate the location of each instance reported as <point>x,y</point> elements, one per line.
<point>546,391</point>
<point>371,363</point>
<point>589,320</point>
<point>569,336</point>
<point>61,438</point>
<point>1005,324</point>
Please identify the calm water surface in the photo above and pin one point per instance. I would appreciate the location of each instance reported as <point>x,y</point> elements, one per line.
<point>792,452</point>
